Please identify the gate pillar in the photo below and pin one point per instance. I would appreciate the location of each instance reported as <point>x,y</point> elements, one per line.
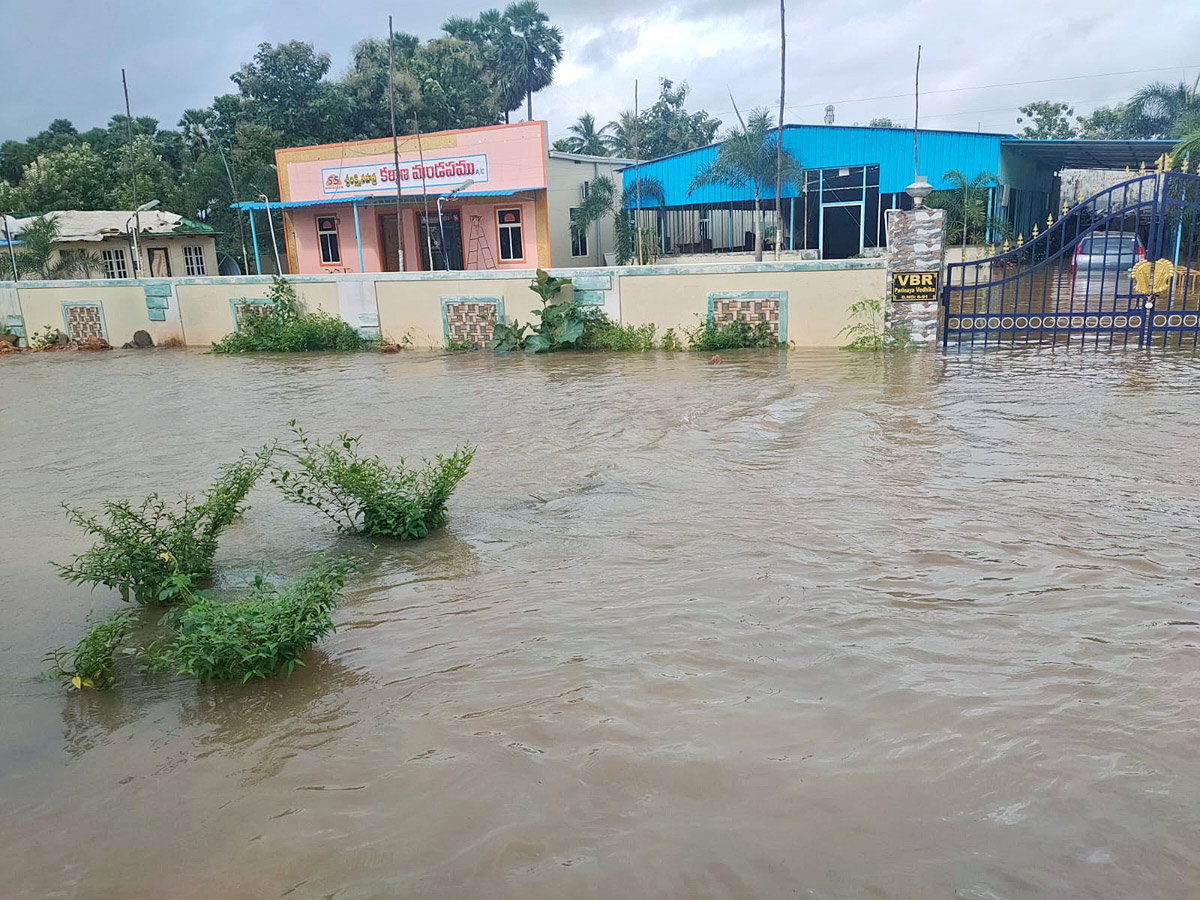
<point>916,247</point>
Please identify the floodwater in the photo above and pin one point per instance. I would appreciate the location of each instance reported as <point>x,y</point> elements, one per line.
<point>796,625</point>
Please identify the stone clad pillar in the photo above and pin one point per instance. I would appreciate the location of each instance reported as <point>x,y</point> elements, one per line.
<point>916,247</point>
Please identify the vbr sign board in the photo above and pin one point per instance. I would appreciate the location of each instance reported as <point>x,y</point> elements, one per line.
<point>435,173</point>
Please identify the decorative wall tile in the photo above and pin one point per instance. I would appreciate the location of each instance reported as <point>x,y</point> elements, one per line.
<point>244,309</point>
<point>83,321</point>
<point>470,319</point>
<point>753,310</point>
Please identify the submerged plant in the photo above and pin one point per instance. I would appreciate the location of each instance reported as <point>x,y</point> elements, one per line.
<point>363,494</point>
<point>140,547</point>
<point>90,663</point>
<point>671,341</point>
<point>282,326</point>
<point>735,335</point>
<point>508,337</point>
<point>256,637</point>
<point>601,333</point>
<point>869,330</point>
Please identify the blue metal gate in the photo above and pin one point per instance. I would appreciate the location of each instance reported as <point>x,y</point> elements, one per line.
<point>1071,284</point>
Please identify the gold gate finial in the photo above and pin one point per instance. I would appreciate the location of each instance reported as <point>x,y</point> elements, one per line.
<point>1035,232</point>
<point>1049,219</point>
<point>1066,208</point>
<point>1142,168</point>
<point>1007,246</point>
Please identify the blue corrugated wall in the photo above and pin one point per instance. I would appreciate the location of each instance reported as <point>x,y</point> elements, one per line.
<point>830,146</point>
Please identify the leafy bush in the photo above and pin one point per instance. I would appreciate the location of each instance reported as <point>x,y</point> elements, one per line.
<point>601,333</point>
<point>671,341</point>
<point>365,495</point>
<point>47,337</point>
<point>255,637</point>
<point>734,335</point>
<point>869,330</point>
<point>90,664</point>
<point>284,327</point>
<point>508,337</point>
<point>141,547</point>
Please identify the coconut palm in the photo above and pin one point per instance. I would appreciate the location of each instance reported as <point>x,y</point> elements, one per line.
<point>966,206</point>
<point>623,134</point>
<point>750,155</point>
<point>601,201</point>
<point>1157,110</point>
<point>40,258</point>
<point>585,138</point>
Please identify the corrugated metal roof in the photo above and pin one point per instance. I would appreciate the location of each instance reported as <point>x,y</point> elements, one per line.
<point>832,146</point>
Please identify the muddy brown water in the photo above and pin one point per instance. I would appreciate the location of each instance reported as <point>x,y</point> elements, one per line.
<point>802,624</point>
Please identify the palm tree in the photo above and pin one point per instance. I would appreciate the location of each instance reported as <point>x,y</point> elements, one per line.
<point>539,46</point>
<point>585,138</point>
<point>750,155</point>
<point>40,257</point>
<point>623,133</point>
<point>966,206</point>
<point>1156,110</point>
<point>598,203</point>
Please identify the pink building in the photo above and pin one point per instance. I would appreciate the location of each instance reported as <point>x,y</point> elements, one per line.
<point>495,187</point>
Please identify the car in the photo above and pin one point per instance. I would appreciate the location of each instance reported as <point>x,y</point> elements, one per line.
<point>1100,269</point>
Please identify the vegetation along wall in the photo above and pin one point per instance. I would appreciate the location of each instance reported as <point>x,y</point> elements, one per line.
<point>804,303</point>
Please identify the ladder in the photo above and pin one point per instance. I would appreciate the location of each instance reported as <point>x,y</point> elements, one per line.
<point>479,254</point>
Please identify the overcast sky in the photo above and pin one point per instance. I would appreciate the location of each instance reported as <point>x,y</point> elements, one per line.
<point>62,58</point>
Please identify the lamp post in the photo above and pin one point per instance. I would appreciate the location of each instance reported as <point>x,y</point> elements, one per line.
<point>442,225</point>
<point>137,226</point>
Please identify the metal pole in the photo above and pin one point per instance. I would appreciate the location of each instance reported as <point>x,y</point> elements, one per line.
<point>779,149</point>
<point>358,237</point>
<point>442,232</point>
<point>12,255</point>
<point>254,238</point>
<point>271,225</point>
<point>637,177</point>
<point>395,155</point>
<point>916,109</point>
<point>137,221</point>
<point>424,195</point>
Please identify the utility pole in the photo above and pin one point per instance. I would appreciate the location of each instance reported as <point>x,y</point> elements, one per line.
<point>395,143</point>
<point>637,177</point>
<point>916,110</point>
<point>779,148</point>
<point>137,221</point>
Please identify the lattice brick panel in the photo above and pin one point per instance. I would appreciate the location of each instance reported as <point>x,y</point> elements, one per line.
<point>471,321</point>
<point>759,309</point>
<point>244,311</point>
<point>84,322</point>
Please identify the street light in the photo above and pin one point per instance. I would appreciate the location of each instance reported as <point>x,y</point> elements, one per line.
<point>442,225</point>
<point>137,253</point>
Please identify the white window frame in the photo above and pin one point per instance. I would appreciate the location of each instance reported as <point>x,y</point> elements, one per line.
<point>115,264</point>
<point>193,260</point>
<point>510,227</point>
<point>322,233</point>
<point>579,238</point>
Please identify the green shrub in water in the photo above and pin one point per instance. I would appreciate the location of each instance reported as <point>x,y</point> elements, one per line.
<point>734,335</point>
<point>869,330</point>
<point>601,333</point>
<point>141,548</point>
<point>284,327</point>
<point>256,637</point>
<point>90,664</point>
<point>364,494</point>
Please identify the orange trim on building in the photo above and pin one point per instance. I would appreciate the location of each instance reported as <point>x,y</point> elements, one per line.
<point>541,215</point>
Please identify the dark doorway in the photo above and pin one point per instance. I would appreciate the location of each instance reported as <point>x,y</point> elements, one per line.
<point>389,244</point>
<point>841,231</point>
<point>431,239</point>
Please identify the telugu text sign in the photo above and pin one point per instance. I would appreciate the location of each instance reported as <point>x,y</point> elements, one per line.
<point>915,286</point>
<point>435,173</point>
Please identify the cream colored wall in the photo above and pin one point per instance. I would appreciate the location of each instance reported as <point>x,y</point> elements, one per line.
<point>565,179</point>
<point>123,303</point>
<point>207,315</point>
<point>174,246</point>
<point>817,299</point>
<point>413,309</point>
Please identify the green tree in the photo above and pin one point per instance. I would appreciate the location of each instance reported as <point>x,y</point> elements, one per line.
<point>367,83</point>
<point>75,177</point>
<point>586,138</point>
<point>1161,110</point>
<point>453,90</point>
<point>601,195</point>
<point>667,127</point>
<point>520,49</point>
<point>39,258</point>
<point>966,206</point>
<point>1107,123</point>
<point>882,123</point>
<point>631,242</point>
<point>285,89</point>
<point>1047,121</point>
<point>623,134</point>
<point>747,156</point>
